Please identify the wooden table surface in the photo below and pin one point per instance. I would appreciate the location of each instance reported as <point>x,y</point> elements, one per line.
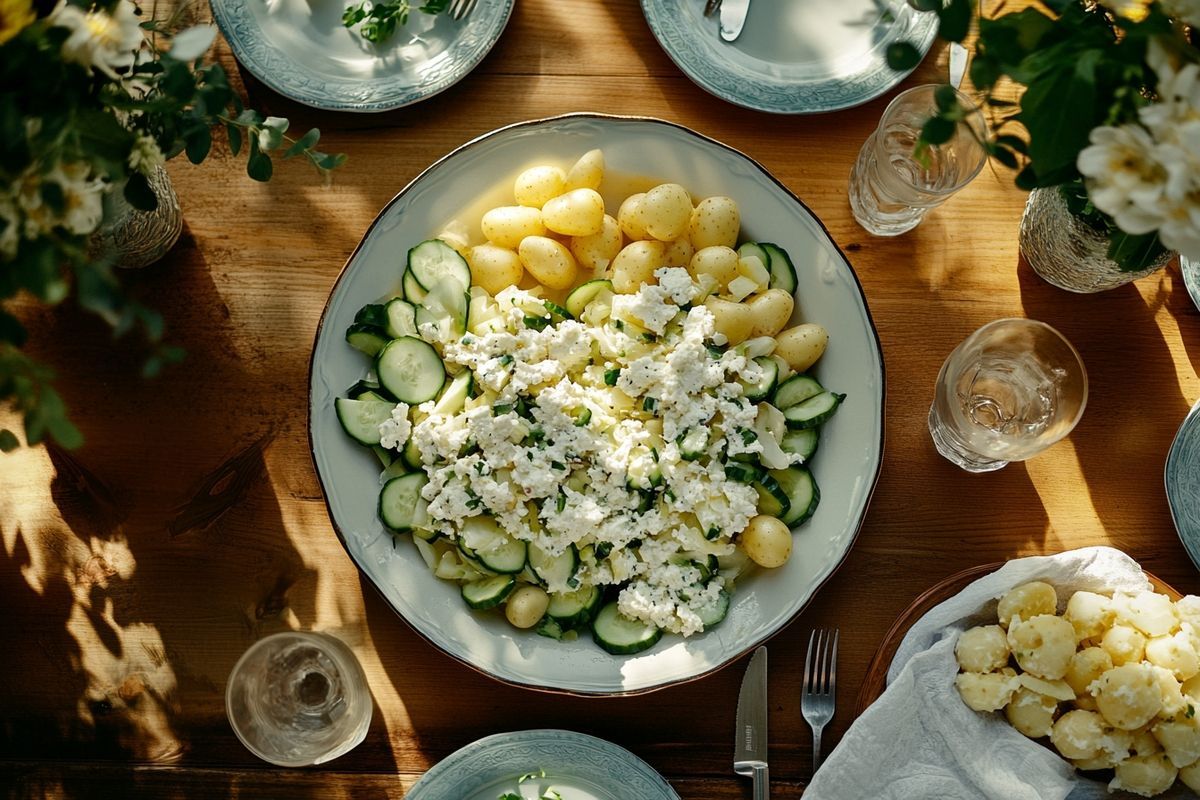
<point>129,596</point>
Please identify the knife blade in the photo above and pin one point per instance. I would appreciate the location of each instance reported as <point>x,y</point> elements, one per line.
<point>733,17</point>
<point>958,64</point>
<point>750,737</point>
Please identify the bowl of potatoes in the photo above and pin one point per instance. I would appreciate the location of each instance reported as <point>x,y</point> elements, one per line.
<point>472,201</point>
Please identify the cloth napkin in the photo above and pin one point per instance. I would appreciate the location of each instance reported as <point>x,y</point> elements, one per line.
<point>919,741</point>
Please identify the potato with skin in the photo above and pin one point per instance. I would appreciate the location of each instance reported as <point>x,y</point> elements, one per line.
<point>577,213</point>
<point>494,268</point>
<point>526,606</point>
<point>981,649</point>
<point>772,310</point>
<point>506,226</point>
<point>666,211</point>
<point>1031,713</point>
<point>596,252</point>
<point>678,253</point>
<point>767,541</point>
<point>715,222</point>
<point>1027,601</point>
<point>734,321</point>
<point>549,262</point>
<point>630,219</point>
<point>1042,645</point>
<point>719,261</point>
<point>587,172</point>
<point>1125,644</point>
<point>989,691</point>
<point>802,346</point>
<point>1128,696</point>
<point>635,265</point>
<point>1144,775</point>
<point>536,185</point>
<point>1078,734</point>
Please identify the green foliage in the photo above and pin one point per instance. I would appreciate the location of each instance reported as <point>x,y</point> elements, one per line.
<point>379,20</point>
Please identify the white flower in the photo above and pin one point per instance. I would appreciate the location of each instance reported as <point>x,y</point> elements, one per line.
<point>145,156</point>
<point>100,40</point>
<point>10,227</point>
<point>1124,177</point>
<point>1187,11</point>
<point>83,197</point>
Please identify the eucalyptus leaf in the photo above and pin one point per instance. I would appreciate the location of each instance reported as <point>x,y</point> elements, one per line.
<point>902,56</point>
<point>8,441</point>
<point>937,130</point>
<point>235,138</point>
<point>954,20</point>
<point>305,142</point>
<point>259,165</point>
<point>1058,109</point>
<point>329,161</point>
<point>192,43</point>
<point>199,142</point>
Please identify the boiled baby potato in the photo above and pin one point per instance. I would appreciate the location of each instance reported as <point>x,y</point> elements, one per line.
<point>1078,734</point>
<point>1086,666</point>
<point>718,261</point>
<point>1125,644</point>
<point>989,691</point>
<point>666,211</point>
<point>537,185</point>
<point>772,310</point>
<point>1129,696</point>
<point>526,606</point>
<point>982,649</point>
<point>1031,713</point>
<point>493,267</point>
<point>715,222</point>
<point>734,321</point>
<point>1144,775</point>
<point>1175,653</point>
<point>1089,613</point>
<point>1042,645</point>
<point>579,212</point>
<point>1180,739</point>
<point>802,346</point>
<point>635,265</point>
<point>1151,613</point>
<point>597,251</point>
<point>506,226</point>
<point>549,262</point>
<point>1026,601</point>
<point>767,541</point>
<point>678,253</point>
<point>630,218</point>
<point>587,172</point>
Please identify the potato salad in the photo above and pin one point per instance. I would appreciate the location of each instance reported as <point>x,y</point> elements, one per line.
<point>597,423</point>
<point>1113,684</point>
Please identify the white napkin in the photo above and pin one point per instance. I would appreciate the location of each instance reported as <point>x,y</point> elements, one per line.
<point>919,741</point>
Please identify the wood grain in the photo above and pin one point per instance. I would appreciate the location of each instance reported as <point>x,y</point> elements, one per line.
<point>124,621</point>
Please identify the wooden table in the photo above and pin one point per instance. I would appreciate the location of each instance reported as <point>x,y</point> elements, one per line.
<point>129,597</point>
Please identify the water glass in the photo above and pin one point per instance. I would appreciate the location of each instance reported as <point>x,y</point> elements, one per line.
<point>1010,390</point>
<point>891,190</point>
<point>296,699</point>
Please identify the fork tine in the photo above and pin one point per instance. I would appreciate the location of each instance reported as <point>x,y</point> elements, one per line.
<point>823,656</point>
<point>808,663</point>
<point>833,664</point>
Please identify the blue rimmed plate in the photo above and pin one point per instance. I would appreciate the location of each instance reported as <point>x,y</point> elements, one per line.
<point>577,766</point>
<point>300,49</point>
<point>1182,477</point>
<point>792,57</point>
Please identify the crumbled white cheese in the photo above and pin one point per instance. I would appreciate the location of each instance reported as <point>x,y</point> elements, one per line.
<point>394,432</point>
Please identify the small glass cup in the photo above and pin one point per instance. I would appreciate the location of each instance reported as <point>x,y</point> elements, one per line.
<point>1010,390</point>
<point>890,190</point>
<point>297,699</point>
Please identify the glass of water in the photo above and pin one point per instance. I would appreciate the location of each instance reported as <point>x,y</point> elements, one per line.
<point>296,699</point>
<point>1010,390</point>
<point>891,189</point>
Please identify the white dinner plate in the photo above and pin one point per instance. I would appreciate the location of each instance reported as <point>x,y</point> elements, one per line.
<point>794,56</point>
<point>846,467</point>
<point>300,49</point>
<point>577,766</point>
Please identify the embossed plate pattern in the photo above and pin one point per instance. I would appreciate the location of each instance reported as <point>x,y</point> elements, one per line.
<point>578,766</point>
<point>301,50</point>
<point>1182,477</point>
<point>794,56</point>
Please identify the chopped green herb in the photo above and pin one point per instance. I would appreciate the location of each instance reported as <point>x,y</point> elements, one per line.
<point>610,376</point>
<point>501,409</point>
<point>510,796</point>
<point>560,503</point>
<point>582,417</point>
<point>557,465</point>
<point>602,550</point>
<point>506,359</point>
<point>748,436</point>
<point>714,351</point>
<point>650,404</point>
<point>1191,711</point>
<point>712,533</point>
<point>536,323</point>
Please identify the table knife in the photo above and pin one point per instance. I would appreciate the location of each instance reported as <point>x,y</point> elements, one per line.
<point>750,738</point>
<point>733,17</point>
<point>958,64</point>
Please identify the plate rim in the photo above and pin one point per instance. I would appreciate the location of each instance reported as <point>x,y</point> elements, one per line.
<point>1192,419</point>
<point>226,20</point>
<point>556,734</point>
<point>687,66</point>
<point>872,482</point>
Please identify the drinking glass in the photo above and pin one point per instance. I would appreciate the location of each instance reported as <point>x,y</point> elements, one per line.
<point>297,698</point>
<point>891,190</point>
<point>1010,390</point>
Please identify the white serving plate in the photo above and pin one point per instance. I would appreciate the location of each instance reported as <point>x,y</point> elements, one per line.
<point>846,466</point>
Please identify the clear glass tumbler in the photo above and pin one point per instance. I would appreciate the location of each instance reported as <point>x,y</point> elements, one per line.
<point>891,191</point>
<point>1010,390</point>
<point>296,699</point>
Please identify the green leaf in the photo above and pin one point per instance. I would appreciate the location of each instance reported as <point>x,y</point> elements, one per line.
<point>8,441</point>
<point>328,161</point>
<point>1059,111</point>
<point>984,71</point>
<point>249,117</point>
<point>938,130</point>
<point>946,98</point>
<point>1027,178</point>
<point>235,137</point>
<point>65,433</point>
<point>199,142</point>
<point>903,56</point>
<point>1005,157</point>
<point>139,194</point>
<point>305,142</point>
<point>1014,143</point>
<point>954,20</point>
<point>1134,252</point>
<point>11,330</point>
<point>259,165</point>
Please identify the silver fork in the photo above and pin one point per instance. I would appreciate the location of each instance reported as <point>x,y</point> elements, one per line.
<point>460,8</point>
<point>820,686</point>
<point>711,6</point>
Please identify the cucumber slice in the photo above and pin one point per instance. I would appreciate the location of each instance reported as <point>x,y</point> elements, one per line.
<point>372,314</point>
<point>585,293</point>
<point>365,388</point>
<point>803,442</point>
<point>554,570</point>
<point>413,291</point>
<point>370,339</point>
<point>385,456</point>
<point>755,250</point>
<point>445,307</point>
<point>621,635</point>
<point>482,538</point>
<point>411,370</point>
<point>361,418</point>
<point>507,558</point>
<point>772,499</point>
<point>410,455</point>
<point>401,319</point>
<point>401,506</point>
<point>557,313</point>
<point>574,609</point>
<point>454,396</point>
<point>795,390</point>
<point>434,263</point>
<point>761,390</point>
<point>802,491</point>
<point>742,472</point>
<point>488,592</point>
<point>783,272</point>
<point>693,443</point>
<point>712,613</point>
<point>814,411</point>
<point>396,469</point>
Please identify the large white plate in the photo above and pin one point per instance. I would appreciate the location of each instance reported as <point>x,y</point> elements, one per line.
<point>577,766</point>
<point>794,56</point>
<point>300,49</point>
<point>846,466</point>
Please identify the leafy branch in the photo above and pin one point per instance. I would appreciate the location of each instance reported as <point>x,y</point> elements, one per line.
<point>379,20</point>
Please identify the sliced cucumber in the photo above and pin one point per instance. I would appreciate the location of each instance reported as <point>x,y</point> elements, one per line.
<point>446,308</point>
<point>372,314</point>
<point>401,506</point>
<point>795,390</point>
<point>410,455</point>
<point>574,609</point>
<point>743,472</point>
<point>411,370</point>
<point>772,499</point>
<point>585,293</point>
<point>554,570</point>
<point>488,592</point>
<point>761,389</point>
<point>396,469</point>
<point>434,263</point>
<point>370,339</point>
<point>644,471</point>
<point>365,388</point>
<point>361,418</point>
<point>783,272</point>
<point>712,613</point>
<point>454,396</point>
<point>413,291</point>
<point>484,539</point>
<point>814,411</point>
<point>621,635</point>
<point>693,443</point>
<point>384,455</point>
<point>802,442</point>
<point>557,313</point>
<point>802,491</point>
<point>401,319</point>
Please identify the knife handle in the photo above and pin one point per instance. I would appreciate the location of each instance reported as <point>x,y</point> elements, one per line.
<point>762,781</point>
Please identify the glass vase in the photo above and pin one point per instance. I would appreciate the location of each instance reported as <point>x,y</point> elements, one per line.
<point>1067,252</point>
<point>136,238</point>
